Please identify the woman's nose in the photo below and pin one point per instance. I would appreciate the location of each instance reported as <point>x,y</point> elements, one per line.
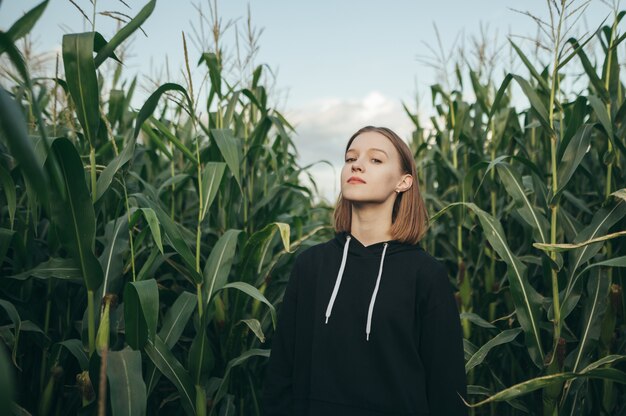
<point>356,166</point>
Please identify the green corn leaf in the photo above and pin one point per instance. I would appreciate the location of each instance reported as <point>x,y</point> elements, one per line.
<point>221,391</point>
<point>227,406</point>
<point>99,42</point>
<point>174,140</point>
<point>257,137</point>
<point>526,299</point>
<point>253,99</point>
<point>136,328</point>
<point>176,318</point>
<point>75,347</point>
<point>13,126</point>
<point>500,94</point>
<point>565,246</point>
<point>535,102</point>
<point>173,236</point>
<point>106,177</point>
<point>597,83</point>
<point>14,316</point>
<point>541,80</point>
<point>116,237</point>
<point>476,319</point>
<point>141,309</point>
<point>201,358</point>
<point>172,182</point>
<point>257,246</point>
<point>572,291</point>
<point>268,198</point>
<point>217,268</point>
<point>480,355</point>
<point>514,186</point>
<point>600,224</point>
<point>117,101</point>
<point>58,268</point>
<point>279,122</point>
<point>211,178</point>
<point>25,24</point>
<point>7,381</point>
<point>174,323</point>
<point>604,118</point>
<point>533,98</point>
<point>575,114</point>
<point>74,217</point>
<point>230,148</point>
<point>214,72</point>
<point>610,67</point>
<point>127,388</point>
<point>598,290</point>
<point>481,92</point>
<point>230,108</point>
<point>528,386</point>
<point>15,56</point>
<point>154,260</point>
<point>572,156</point>
<point>151,103</point>
<point>254,293</point>
<point>255,327</point>
<point>412,117</point>
<point>591,238</point>
<point>256,75</point>
<point>604,362</point>
<point>124,33</point>
<point>153,223</point>
<point>167,364</point>
<point>620,115</point>
<point>80,74</point>
<point>261,95</point>
<point>53,169</point>
<point>156,140</point>
<point>8,187</point>
<point>6,238</point>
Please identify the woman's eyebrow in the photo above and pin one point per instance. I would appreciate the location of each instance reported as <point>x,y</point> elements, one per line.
<point>373,148</point>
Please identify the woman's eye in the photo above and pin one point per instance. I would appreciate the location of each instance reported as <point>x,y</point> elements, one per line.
<point>377,161</point>
<point>349,159</point>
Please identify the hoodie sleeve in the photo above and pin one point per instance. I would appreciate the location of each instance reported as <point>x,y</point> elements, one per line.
<point>278,386</point>
<point>441,349</point>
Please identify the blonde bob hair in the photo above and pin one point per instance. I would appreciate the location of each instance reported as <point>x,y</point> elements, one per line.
<point>409,218</point>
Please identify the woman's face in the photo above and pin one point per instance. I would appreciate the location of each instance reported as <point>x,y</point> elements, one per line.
<point>374,160</point>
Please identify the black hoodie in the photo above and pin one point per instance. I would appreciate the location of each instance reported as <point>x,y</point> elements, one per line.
<point>366,330</point>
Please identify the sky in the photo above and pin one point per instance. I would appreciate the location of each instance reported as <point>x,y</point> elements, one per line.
<point>338,65</point>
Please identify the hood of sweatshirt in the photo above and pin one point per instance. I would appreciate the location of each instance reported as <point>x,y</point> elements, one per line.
<point>356,248</point>
<point>353,247</point>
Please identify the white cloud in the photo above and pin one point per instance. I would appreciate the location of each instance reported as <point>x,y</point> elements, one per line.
<point>324,126</point>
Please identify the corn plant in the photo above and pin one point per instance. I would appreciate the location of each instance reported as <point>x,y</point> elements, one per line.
<point>137,245</point>
<point>535,200</point>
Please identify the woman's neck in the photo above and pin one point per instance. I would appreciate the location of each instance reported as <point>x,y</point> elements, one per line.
<point>371,223</point>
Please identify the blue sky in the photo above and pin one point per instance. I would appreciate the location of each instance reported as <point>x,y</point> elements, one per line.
<point>339,64</point>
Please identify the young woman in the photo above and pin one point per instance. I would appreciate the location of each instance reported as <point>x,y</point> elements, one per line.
<point>369,324</point>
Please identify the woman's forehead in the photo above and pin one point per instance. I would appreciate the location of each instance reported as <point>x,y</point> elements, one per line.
<point>371,140</point>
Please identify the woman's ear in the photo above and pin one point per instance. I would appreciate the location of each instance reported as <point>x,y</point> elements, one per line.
<point>406,183</point>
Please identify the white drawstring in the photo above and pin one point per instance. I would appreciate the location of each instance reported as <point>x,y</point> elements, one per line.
<point>373,300</point>
<point>338,281</point>
<point>333,296</point>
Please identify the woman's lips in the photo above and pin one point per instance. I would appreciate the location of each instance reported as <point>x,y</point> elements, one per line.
<point>355,180</point>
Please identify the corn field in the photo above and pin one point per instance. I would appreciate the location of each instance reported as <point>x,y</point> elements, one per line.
<point>144,252</point>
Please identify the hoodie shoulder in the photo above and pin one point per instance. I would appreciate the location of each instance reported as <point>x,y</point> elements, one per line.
<point>429,262</point>
<point>308,254</point>
<point>436,284</point>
